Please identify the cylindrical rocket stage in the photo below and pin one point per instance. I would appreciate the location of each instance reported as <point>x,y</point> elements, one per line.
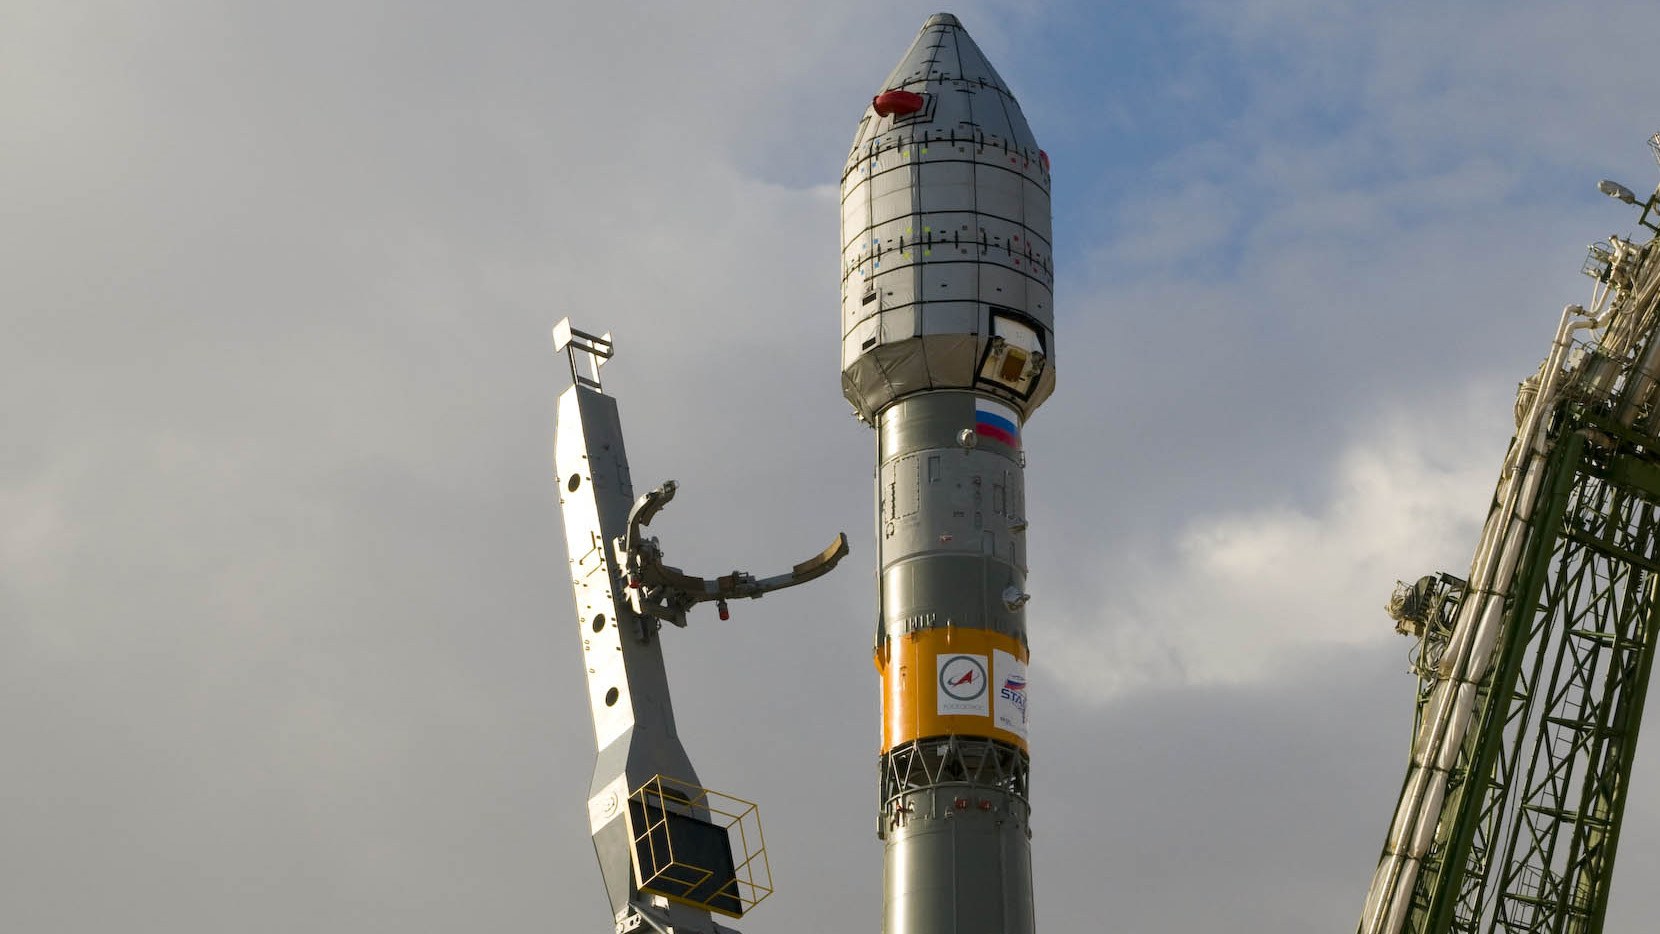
<point>947,324</point>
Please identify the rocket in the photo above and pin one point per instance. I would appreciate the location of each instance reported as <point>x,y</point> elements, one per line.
<point>947,349</point>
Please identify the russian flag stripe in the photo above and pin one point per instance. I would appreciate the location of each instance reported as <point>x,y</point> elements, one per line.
<point>997,422</point>
<point>992,431</point>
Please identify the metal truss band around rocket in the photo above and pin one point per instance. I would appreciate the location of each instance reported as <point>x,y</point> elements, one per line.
<point>947,349</point>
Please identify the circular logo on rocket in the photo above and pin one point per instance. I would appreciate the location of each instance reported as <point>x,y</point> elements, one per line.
<point>963,677</point>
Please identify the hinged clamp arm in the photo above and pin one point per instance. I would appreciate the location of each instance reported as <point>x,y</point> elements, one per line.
<point>660,591</point>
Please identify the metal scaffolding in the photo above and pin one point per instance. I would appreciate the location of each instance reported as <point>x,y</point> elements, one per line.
<point>1533,672</point>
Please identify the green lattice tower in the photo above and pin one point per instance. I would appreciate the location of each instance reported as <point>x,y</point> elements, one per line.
<point>1529,827</point>
<point>1541,785</point>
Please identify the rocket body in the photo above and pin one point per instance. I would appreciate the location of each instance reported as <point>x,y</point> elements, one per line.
<point>947,324</point>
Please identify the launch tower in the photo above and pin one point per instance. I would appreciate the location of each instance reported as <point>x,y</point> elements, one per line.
<point>1534,668</point>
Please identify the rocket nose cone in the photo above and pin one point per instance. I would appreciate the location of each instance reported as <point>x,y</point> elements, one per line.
<point>943,52</point>
<point>945,222</point>
<point>944,58</point>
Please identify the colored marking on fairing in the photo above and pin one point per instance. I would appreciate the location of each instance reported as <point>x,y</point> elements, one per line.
<point>992,425</point>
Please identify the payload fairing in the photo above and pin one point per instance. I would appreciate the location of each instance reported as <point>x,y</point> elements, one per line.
<point>947,333</point>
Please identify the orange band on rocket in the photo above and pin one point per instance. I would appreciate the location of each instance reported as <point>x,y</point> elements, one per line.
<point>950,680</point>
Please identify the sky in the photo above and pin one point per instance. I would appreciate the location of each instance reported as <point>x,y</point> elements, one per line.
<point>286,641</point>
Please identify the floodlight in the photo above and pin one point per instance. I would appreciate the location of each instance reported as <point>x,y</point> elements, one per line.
<point>1616,191</point>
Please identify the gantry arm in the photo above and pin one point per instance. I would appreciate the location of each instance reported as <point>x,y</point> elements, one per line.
<point>664,592</point>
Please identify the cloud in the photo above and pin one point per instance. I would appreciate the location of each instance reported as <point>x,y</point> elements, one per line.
<point>1244,595</point>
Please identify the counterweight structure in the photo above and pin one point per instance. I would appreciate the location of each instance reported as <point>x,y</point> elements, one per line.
<point>1534,669</point>
<point>947,349</point>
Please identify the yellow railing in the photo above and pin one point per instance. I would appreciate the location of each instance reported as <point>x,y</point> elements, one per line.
<point>697,846</point>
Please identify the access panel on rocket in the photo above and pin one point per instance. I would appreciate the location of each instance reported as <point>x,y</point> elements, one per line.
<point>947,348</point>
